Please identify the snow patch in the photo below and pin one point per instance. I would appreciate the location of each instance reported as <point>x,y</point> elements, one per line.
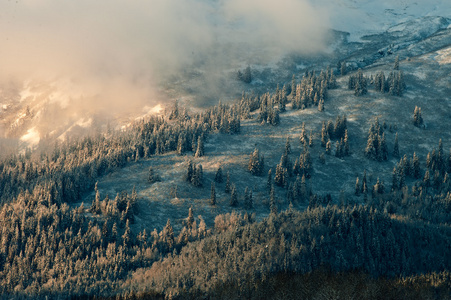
<point>444,56</point>
<point>31,138</point>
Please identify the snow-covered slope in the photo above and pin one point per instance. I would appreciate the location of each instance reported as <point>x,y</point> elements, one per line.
<point>365,17</point>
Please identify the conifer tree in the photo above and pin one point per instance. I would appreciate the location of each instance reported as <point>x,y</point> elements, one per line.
<point>269,179</point>
<point>324,135</point>
<point>278,177</point>
<point>328,147</point>
<point>343,68</point>
<point>190,171</point>
<point>346,151</point>
<point>394,181</point>
<point>396,64</point>
<point>357,187</point>
<point>213,194</point>
<point>272,200</point>
<point>228,185</point>
<point>197,179</point>
<point>321,105</point>
<point>233,197</point>
<point>200,147</point>
<point>382,146</point>
<point>255,165</point>
<point>190,219</point>
<point>416,171</point>
<point>248,202</point>
<point>426,179</point>
<point>417,118</point>
<point>218,175</point>
<point>396,147</point>
<point>310,140</point>
<point>287,146</point>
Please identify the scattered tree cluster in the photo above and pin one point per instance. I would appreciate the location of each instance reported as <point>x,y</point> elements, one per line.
<point>194,174</point>
<point>376,147</point>
<point>394,84</point>
<point>312,91</point>
<point>358,83</point>
<point>337,132</point>
<point>256,163</point>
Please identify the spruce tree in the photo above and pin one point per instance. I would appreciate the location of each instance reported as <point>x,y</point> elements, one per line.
<point>279,176</point>
<point>321,105</point>
<point>269,180</point>
<point>328,147</point>
<point>219,176</point>
<point>417,118</point>
<point>272,201</point>
<point>416,171</point>
<point>233,197</point>
<point>396,64</point>
<point>396,147</point>
<point>357,187</point>
<point>248,198</point>
<point>213,194</point>
<point>346,151</point>
<point>228,184</point>
<point>200,147</point>
<point>287,146</point>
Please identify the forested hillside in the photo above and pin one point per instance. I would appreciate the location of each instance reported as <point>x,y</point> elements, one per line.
<point>315,180</point>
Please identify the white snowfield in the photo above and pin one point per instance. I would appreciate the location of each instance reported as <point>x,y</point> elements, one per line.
<point>365,17</point>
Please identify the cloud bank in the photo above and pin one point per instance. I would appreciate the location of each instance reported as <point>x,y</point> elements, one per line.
<point>115,53</point>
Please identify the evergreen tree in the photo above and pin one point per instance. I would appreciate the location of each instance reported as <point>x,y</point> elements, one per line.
<point>233,197</point>
<point>200,147</point>
<point>324,135</point>
<point>394,182</point>
<point>190,219</point>
<point>426,179</point>
<point>346,151</point>
<point>279,175</point>
<point>417,118</point>
<point>228,185</point>
<point>321,105</point>
<point>416,171</point>
<point>287,146</point>
<point>343,68</point>
<point>382,146</point>
<point>357,187</point>
<point>328,147</point>
<point>396,64</point>
<point>396,147</point>
<point>197,179</point>
<point>310,140</point>
<point>247,75</point>
<point>272,201</point>
<point>248,201</point>
<point>190,171</point>
<point>213,194</point>
<point>219,176</point>
<point>255,165</point>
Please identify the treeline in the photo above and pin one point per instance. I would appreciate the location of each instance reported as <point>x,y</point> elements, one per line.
<point>293,242</point>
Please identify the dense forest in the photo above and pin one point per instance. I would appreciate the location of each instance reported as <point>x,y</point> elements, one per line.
<point>394,240</point>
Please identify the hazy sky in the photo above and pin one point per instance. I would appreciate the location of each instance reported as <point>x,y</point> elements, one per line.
<point>109,57</point>
<point>110,38</point>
